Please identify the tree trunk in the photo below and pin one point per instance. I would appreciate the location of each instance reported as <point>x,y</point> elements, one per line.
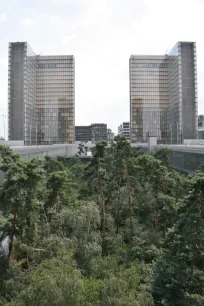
<point>156,223</point>
<point>12,233</point>
<point>192,265</point>
<point>102,215</point>
<point>102,206</point>
<point>164,228</point>
<point>129,201</point>
<point>118,211</point>
<point>201,205</point>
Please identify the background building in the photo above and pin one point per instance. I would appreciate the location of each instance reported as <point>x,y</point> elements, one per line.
<point>201,127</point>
<point>201,121</point>
<point>124,130</point>
<point>201,133</point>
<point>83,133</point>
<point>95,132</point>
<point>41,97</point>
<point>110,135</point>
<point>163,95</point>
<point>99,132</point>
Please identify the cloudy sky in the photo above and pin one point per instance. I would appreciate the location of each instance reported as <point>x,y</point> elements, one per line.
<point>101,34</point>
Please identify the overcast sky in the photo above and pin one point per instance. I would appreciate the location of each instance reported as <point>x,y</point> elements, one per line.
<point>101,34</point>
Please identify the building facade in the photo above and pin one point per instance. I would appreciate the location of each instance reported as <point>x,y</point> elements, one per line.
<point>201,127</point>
<point>99,132</point>
<point>55,99</point>
<point>22,112</point>
<point>163,95</point>
<point>95,132</point>
<point>110,135</point>
<point>83,133</point>
<point>201,133</point>
<point>182,112</point>
<point>124,130</point>
<point>200,121</point>
<point>41,96</point>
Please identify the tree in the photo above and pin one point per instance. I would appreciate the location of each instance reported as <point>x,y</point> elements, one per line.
<point>50,165</point>
<point>81,149</point>
<point>120,229</point>
<point>20,195</point>
<point>164,155</point>
<point>179,276</point>
<point>97,177</point>
<point>54,282</point>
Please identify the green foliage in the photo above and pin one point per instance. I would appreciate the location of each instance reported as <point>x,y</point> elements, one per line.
<point>164,155</point>
<point>51,165</point>
<point>122,229</point>
<point>54,282</point>
<point>181,269</point>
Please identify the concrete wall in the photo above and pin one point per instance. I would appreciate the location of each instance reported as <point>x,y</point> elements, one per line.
<point>185,158</point>
<point>12,143</point>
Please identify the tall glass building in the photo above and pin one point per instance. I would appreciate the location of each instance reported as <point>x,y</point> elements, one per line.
<point>41,97</point>
<point>163,95</point>
<point>182,112</point>
<point>22,112</point>
<point>55,99</point>
<point>148,97</point>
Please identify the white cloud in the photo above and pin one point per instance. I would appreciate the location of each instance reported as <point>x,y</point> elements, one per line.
<point>3,17</point>
<point>26,22</point>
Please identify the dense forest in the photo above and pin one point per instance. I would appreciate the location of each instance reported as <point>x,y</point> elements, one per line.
<point>121,229</point>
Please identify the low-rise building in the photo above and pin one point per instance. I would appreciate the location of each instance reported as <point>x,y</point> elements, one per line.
<point>95,132</point>
<point>201,133</point>
<point>83,133</point>
<point>110,135</point>
<point>99,132</point>
<point>201,127</point>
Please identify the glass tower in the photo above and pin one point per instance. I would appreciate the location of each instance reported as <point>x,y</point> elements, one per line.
<point>41,97</point>
<point>22,114</point>
<point>148,97</point>
<point>182,111</point>
<point>55,99</point>
<point>163,95</point>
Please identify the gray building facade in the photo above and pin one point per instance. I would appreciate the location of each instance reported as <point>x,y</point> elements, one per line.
<point>22,112</point>
<point>95,132</point>
<point>201,127</point>
<point>182,111</point>
<point>110,135</point>
<point>201,121</point>
<point>99,132</point>
<point>163,95</point>
<point>83,133</point>
<point>41,96</point>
